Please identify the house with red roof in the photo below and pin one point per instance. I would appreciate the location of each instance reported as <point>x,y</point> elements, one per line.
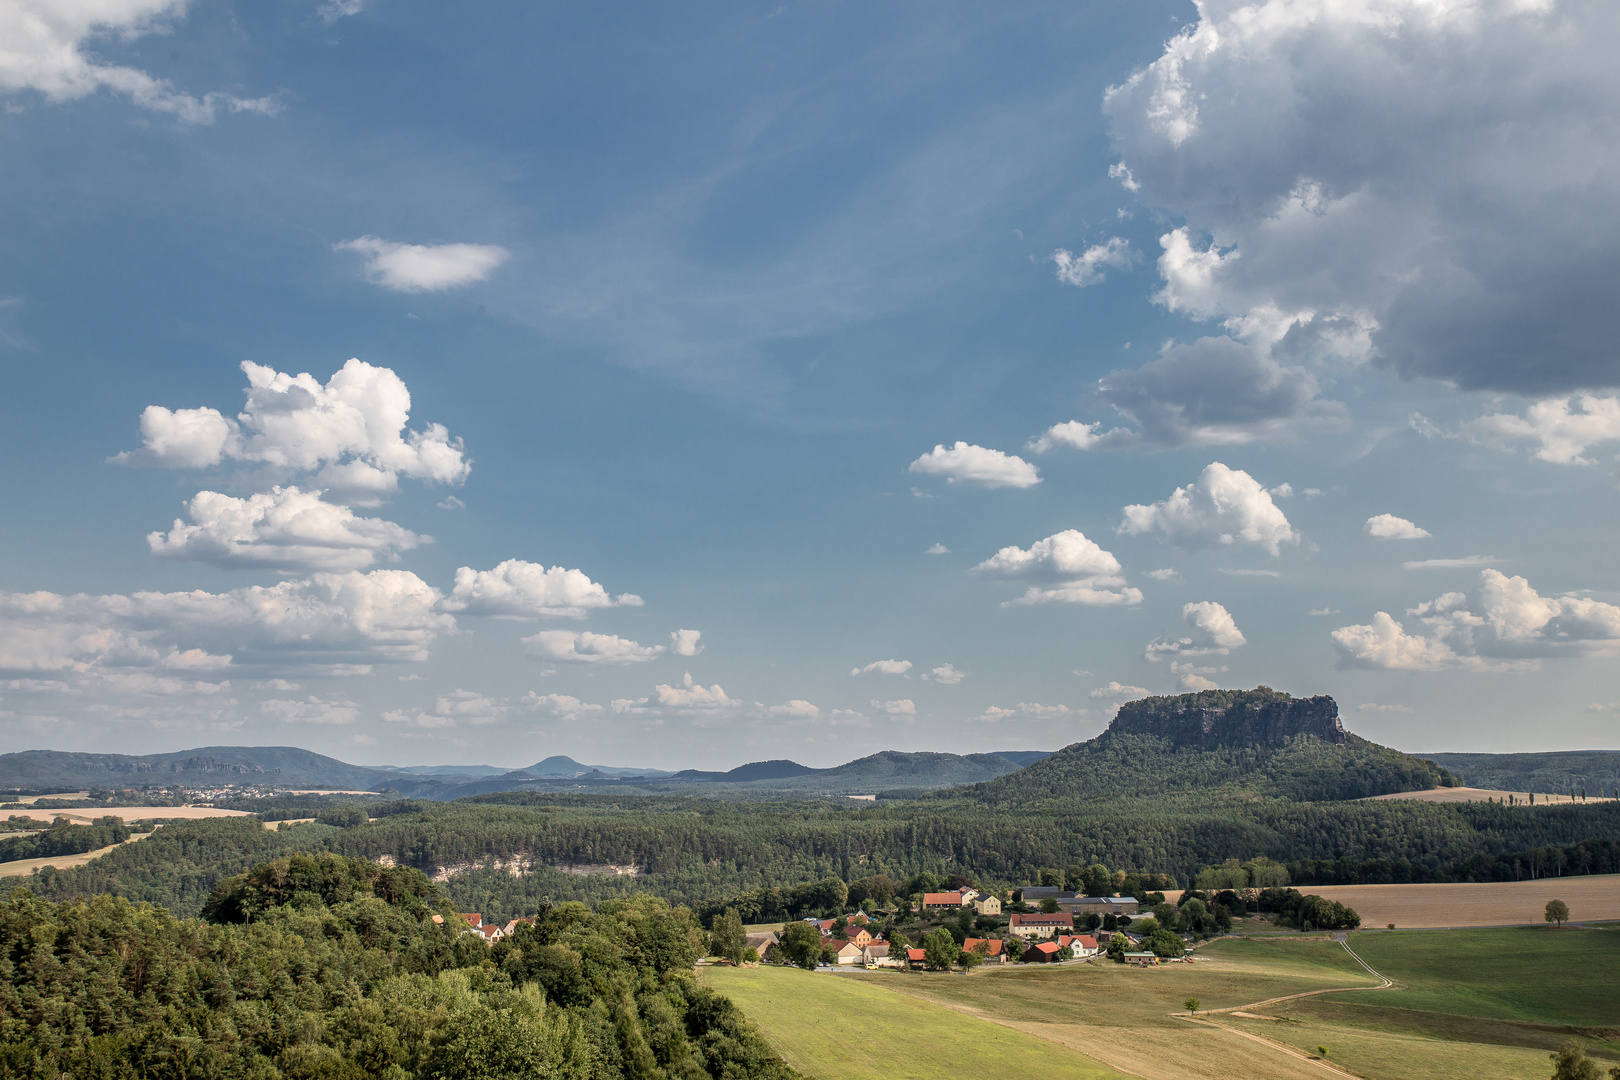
<point>944,901</point>
<point>995,950</point>
<point>1042,952</point>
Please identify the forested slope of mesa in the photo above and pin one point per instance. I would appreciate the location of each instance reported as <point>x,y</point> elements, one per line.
<point>326,967</point>
<point>1261,740</point>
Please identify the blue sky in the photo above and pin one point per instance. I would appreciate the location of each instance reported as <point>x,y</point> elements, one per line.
<point>1278,344</point>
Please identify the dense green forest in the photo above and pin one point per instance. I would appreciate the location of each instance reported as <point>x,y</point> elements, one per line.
<point>1552,771</point>
<point>325,967</point>
<point>63,838</point>
<point>692,850</point>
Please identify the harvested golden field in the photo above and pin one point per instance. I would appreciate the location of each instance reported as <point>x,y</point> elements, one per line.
<point>1591,898</point>
<point>1474,794</point>
<point>1495,903</point>
<point>86,814</point>
<point>24,867</point>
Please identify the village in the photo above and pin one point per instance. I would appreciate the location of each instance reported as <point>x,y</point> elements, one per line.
<point>1047,926</point>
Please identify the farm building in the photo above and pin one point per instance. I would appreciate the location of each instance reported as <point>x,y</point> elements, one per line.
<point>1041,926</point>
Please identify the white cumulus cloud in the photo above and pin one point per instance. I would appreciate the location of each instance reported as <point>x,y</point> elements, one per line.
<point>519,589</point>
<point>1502,624</point>
<point>1566,428</point>
<point>1431,183</point>
<point>45,45</point>
<point>685,642</point>
<point>1072,568</point>
<point>797,709</point>
<point>693,697</point>
<point>945,675</point>
<point>282,529</point>
<point>1026,710</point>
<point>883,667</point>
<point>1086,268</point>
<point>1119,690</point>
<point>414,268</point>
<point>352,428</point>
<point>353,618</point>
<point>1214,631</point>
<point>977,466</point>
<point>589,648</point>
<point>1390,527</point>
<point>460,708</point>
<point>902,707</point>
<point>1222,507</point>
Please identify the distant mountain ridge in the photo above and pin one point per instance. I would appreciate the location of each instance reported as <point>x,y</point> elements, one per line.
<point>242,764</point>
<point>295,767</point>
<point>1262,741</point>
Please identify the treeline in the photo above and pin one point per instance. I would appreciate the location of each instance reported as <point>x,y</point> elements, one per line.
<point>325,967</point>
<point>64,838</point>
<point>505,854</point>
<point>1569,860</point>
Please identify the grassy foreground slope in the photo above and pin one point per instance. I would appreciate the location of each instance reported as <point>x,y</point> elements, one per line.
<point>840,1027</point>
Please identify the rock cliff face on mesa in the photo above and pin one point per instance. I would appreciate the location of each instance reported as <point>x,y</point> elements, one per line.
<point>1261,716</point>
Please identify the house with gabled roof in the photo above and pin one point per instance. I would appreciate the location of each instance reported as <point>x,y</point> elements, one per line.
<point>995,950</point>
<point>943,901</point>
<point>845,952</point>
<point>1040,925</point>
<point>1083,944</point>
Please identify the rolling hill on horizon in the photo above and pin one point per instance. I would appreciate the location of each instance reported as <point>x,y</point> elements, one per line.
<point>58,770</point>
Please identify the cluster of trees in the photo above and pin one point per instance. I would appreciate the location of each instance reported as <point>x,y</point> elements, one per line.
<point>328,967</point>
<point>1595,856</point>
<point>64,838</point>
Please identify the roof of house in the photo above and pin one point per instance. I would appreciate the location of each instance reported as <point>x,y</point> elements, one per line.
<point>995,947</point>
<point>1043,920</point>
<point>1085,941</point>
<point>840,946</point>
<point>1046,947</point>
<point>1043,892</point>
<point>916,954</point>
<point>474,919</point>
<point>953,899</point>
<point>878,948</point>
<point>1100,900</point>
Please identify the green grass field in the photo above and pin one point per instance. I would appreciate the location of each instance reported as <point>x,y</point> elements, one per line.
<point>1540,974</point>
<point>1489,1003</point>
<point>839,1027</point>
<point>1485,1002</point>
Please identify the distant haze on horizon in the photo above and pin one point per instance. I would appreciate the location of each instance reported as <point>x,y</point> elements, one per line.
<point>703,387</point>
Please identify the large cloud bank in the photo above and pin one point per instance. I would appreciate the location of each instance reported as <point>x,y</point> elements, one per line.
<point>1427,184</point>
<point>1503,624</point>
